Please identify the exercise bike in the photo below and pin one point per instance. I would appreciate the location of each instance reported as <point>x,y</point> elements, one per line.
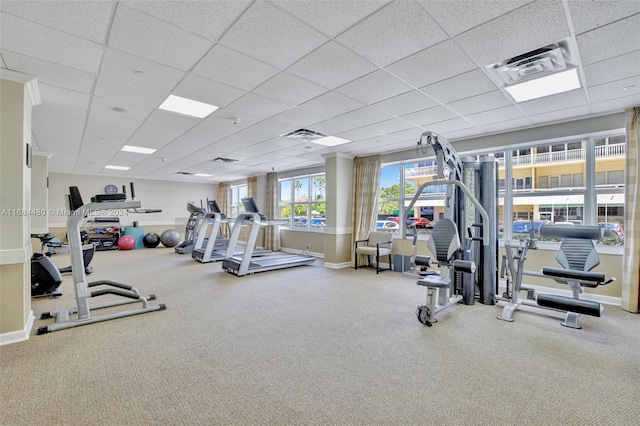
<point>45,276</point>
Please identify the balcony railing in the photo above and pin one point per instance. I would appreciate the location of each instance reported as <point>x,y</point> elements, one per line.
<point>604,151</point>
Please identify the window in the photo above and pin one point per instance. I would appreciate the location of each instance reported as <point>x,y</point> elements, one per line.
<point>237,194</point>
<point>303,202</point>
<point>547,182</point>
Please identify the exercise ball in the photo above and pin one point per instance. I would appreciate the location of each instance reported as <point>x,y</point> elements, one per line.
<point>126,242</point>
<point>151,240</point>
<point>170,238</point>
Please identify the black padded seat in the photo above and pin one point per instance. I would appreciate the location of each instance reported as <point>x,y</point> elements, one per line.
<point>434,281</point>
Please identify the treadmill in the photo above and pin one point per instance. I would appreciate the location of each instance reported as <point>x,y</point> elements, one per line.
<point>191,230</point>
<point>245,265</point>
<point>209,248</point>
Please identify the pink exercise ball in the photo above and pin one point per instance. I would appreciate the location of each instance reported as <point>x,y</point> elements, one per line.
<point>126,242</point>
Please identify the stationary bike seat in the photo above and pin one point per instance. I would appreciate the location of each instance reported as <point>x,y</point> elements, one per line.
<point>45,238</point>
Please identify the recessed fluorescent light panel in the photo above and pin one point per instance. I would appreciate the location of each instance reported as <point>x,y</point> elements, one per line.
<point>186,106</point>
<point>544,86</point>
<point>202,175</point>
<point>110,167</point>
<point>138,149</point>
<point>330,141</point>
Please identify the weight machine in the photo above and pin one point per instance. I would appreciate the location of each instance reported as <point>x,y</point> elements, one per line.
<point>468,270</point>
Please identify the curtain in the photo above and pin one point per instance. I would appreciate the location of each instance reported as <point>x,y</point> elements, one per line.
<point>631,257</point>
<point>272,233</point>
<point>224,192</point>
<point>366,182</point>
<point>252,187</point>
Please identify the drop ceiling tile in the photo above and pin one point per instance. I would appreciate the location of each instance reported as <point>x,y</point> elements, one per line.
<point>559,115</point>
<point>208,91</point>
<point>412,135</point>
<point>495,115</point>
<point>87,20</point>
<point>178,122</point>
<point>135,71</point>
<point>322,15</point>
<point>31,39</point>
<point>430,115</point>
<point>613,69</point>
<point>518,123</point>
<point>406,103</point>
<point>58,112</point>
<point>290,89</point>
<point>458,16</point>
<point>208,19</point>
<point>593,14</point>
<point>573,98</point>
<point>57,96</point>
<point>432,65</point>
<point>49,72</point>
<point>618,104</point>
<point>332,126</point>
<point>452,125</point>
<point>331,66</point>
<point>297,117</point>
<point>266,33</point>
<point>609,41</point>
<point>235,69</point>
<point>365,116</point>
<point>238,118</point>
<point>204,134</point>
<point>394,32</point>
<point>272,127</point>
<point>108,88</point>
<point>331,104</point>
<point>615,89</point>
<point>374,87</point>
<point>389,126</point>
<point>479,103</point>
<point>459,87</point>
<point>155,135</point>
<point>259,105</point>
<point>101,129</point>
<point>516,32</point>
<point>132,111</point>
<point>464,133</point>
<point>139,34</point>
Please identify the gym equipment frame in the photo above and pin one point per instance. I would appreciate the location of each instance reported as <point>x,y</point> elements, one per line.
<point>83,308</point>
<point>577,256</point>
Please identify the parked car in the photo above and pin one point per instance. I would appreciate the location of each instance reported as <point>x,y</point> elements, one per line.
<point>387,225</point>
<point>411,221</point>
<point>300,221</point>
<point>394,219</point>
<point>423,223</point>
<point>613,226</point>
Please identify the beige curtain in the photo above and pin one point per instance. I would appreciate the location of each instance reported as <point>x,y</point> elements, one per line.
<point>224,193</point>
<point>631,259</point>
<point>366,183</point>
<point>272,233</point>
<point>252,187</point>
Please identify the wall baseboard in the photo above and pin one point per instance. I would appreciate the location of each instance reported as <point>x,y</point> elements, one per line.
<point>20,335</point>
<point>338,265</point>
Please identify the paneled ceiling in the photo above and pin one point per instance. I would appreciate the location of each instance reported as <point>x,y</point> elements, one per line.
<point>378,73</point>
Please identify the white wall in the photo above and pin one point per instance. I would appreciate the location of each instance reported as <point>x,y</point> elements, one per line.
<point>171,197</point>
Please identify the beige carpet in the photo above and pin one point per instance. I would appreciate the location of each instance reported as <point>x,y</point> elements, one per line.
<point>313,346</point>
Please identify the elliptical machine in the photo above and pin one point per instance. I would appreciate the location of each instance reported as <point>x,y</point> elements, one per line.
<point>45,277</point>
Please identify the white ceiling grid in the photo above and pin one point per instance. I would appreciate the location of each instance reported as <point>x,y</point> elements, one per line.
<point>376,72</point>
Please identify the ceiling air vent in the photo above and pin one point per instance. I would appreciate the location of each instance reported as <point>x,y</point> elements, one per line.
<point>304,134</point>
<point>184,173</point>
<point>225,160</point>
<point>531,65</point>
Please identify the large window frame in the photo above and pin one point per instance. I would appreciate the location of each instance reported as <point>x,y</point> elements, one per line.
<point>303,202</point>
<point>238,192</point>
<point>583,185</point>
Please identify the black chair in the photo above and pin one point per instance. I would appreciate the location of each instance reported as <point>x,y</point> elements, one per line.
<point>378,244</point>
